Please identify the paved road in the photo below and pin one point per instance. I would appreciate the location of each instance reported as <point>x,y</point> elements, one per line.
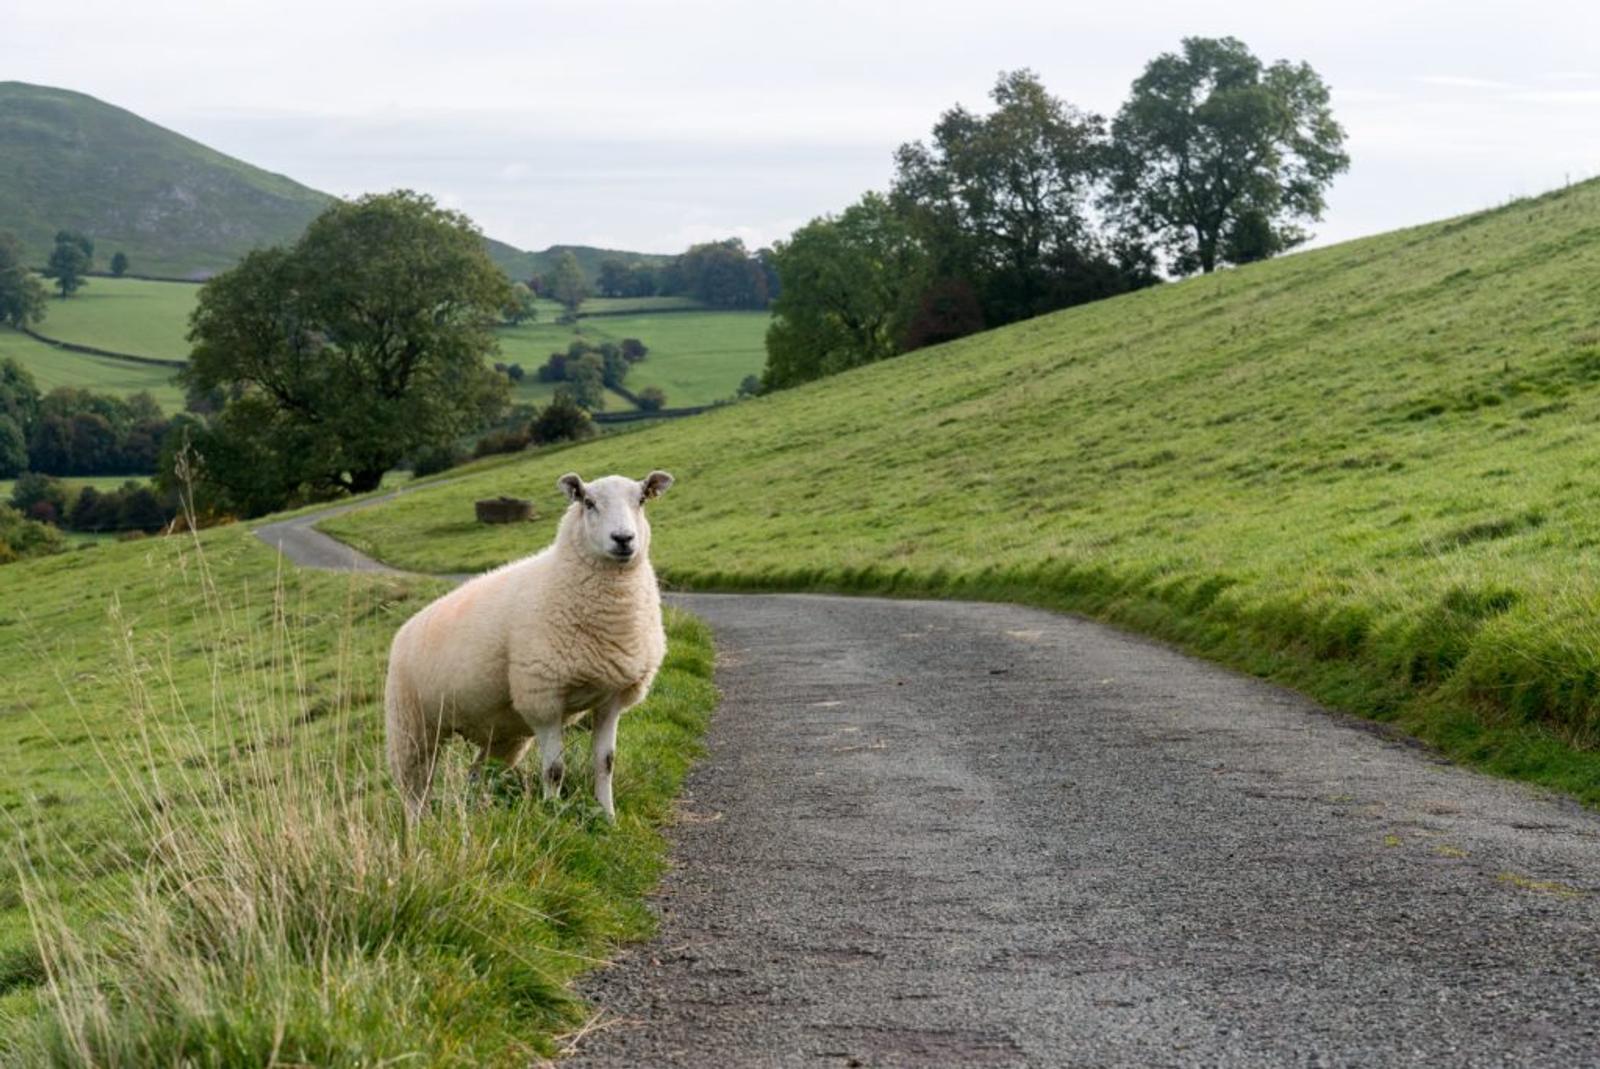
<point>952,834</point>
<point>944,834</point>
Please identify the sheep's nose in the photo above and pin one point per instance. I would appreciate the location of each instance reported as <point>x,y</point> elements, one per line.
<point>623,541</point>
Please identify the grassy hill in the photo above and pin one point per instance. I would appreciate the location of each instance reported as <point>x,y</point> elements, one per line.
<point>176,207</point>
<point>1366,470</point>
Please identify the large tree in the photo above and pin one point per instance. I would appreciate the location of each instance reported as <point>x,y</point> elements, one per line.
<point>359,345</point>
<point>22,297</point>
<point>1003,201</point>
<point>567,284</point>
<point>70,261</point>
<point>849,284</point>
<point>1218,156</point>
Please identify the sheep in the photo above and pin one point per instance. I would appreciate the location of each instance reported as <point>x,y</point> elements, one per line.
<point>513,655</point>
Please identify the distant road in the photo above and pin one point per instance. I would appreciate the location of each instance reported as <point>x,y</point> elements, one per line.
<point>958,834</point>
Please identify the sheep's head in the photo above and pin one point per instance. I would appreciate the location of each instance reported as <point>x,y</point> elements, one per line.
<point>606,516</point>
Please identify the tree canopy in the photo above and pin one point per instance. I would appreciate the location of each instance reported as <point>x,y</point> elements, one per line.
<point>338,356</point>
<point>1216,156</point>
<point>22,297</point>
<point>70,261</point>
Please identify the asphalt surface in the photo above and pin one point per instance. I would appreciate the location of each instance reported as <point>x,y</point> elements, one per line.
<point>957,834</point>
<point>947,834</point>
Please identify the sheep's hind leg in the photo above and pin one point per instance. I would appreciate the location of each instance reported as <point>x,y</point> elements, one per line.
<point>553,769</point>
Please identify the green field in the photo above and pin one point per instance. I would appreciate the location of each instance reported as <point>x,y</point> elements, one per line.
<point>193,796</point>
<point>125,315</point>
<point>52,367</point>
<point>1364,470</point>
<point>695,357</point>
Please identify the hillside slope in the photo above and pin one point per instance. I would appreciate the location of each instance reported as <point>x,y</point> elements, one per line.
<point>176,207</point>
<point>173,205</point>
<point>1367,470</point>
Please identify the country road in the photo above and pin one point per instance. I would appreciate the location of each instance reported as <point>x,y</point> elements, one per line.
<point>953,834</point>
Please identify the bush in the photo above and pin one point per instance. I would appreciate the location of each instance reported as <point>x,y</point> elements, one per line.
<point>21,537</point>
<point>633,350</point>
<point>432,459</point>
<point>563,420</point>
<point>513,441</point>
<point>652,399</point>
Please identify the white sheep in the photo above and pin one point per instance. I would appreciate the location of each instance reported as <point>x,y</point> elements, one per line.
<point>514,654</point>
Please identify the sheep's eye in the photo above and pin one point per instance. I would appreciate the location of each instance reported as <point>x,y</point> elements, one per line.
<point>588,503</point>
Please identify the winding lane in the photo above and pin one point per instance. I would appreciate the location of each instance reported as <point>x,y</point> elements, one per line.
<point>952,834</point>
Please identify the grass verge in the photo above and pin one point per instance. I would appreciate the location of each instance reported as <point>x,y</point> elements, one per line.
<point>1365,471</point>
<point>209,861</point>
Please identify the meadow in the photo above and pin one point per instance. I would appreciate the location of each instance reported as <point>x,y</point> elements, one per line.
<point>1365,471</point>
<point>52,367</point>
<point>207,864</point>
<point>696,355</point>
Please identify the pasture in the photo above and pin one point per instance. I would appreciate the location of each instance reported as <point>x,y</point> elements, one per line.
<point>52,367</point>
<point>190,735</point>
<point>1361,470</point>
<point>696,355</point>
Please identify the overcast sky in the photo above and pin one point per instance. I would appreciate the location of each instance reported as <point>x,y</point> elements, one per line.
<point>651,125</point>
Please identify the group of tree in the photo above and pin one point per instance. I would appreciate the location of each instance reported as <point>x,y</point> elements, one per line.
<point>133,506</point>
<point>327,362</point>
<point>720,274</point>
<point>73,431</point>
<point>588,369</point>
<point>1214,159</point>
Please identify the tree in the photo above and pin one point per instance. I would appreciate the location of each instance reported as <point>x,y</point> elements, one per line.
<point>22,297</point>
<point>339,356</point>
<point>848,283</point>
<point>1217,156</point>
<point>119,264</point>
<point>948,310</point>
<point>1003,201</point>
<point>13,448</point>
<point>587,377</point>
<point>722,274</point>
<point>70,261</point>
<point>19,394</point>
<point>567,284</point>
<point>634,350</point>
<point>521,307</point>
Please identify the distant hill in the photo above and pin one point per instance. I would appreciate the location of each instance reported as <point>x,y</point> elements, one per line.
<point>176,207</point>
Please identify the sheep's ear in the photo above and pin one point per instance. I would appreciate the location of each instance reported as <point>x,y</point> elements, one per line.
<point>655,484</point>
<point>571,485</point>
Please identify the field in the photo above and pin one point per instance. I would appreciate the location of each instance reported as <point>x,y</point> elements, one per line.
<point>125,315</point>
<point>696,356</point>
<point>52,367</point>
<point>191,782</point>
<point>1363,470</point>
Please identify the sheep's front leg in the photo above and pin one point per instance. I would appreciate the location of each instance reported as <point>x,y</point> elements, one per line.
<point>606,716</point>
<point>554,769</point>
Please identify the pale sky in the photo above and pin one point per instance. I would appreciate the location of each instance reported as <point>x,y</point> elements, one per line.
<point>649,126</point>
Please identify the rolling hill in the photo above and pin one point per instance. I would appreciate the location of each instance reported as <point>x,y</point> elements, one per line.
<point>1365,470</point>
<point>176,207</point>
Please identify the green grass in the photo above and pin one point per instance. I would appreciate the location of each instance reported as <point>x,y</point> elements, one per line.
<point>52,367</point>
<point>607,306</point>
<point>196,816</point>
<point>696,357</point>
<point>72,482</point>
<point>1365,471</point>
<point>125,315</point>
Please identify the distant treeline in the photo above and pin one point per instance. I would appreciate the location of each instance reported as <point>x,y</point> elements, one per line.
<point>719,274</point>
<point>72,431</point>
<point>1214,159</point>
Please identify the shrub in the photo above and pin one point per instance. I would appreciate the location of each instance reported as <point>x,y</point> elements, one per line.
<point>432,459</point>
<point>562,420</point>
<point>21,537</point>
<point>633,350</point>
<point>652,399</point>
<point>513,441</point>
